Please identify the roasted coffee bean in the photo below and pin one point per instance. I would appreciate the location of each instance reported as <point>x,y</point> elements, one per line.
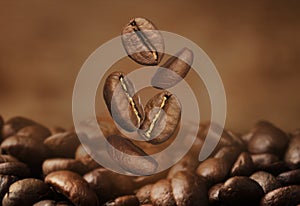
<point>1,126</point>
<point>25,149</point>
<point>129,156</point>
<point>266,180</point>
<point>268,139</point>
<point>62,144</point>
<point>73,186</point>
<point>35,131</point>
<point>174,70</point>
<point>56,130</point>
<point>13,125</point>
<point>26,192</point>
<point>52,203</point>
<point>292,155</point>
<point>109,185</point>
<point>228,154</point>
<point>276,168</point>
<point>213,194</point>
<point>261,161</point>
<point>5,182</point>
<point>188,163</point>
<point>7,158</point>
<point>243,166</point>
<point>143,42</point>
<point>129,200</point>
<point>289,178</point>
<point>140,181</point>
<point>162,115</point>
<point>18,169</point>
<point>122,102</point>
<point>214,170</point>
<point>51,165</point>
<point>89,163</point>
<point>240,190</point>
<point>144,194</point>
<point>289,195</point>
<point>162,194</point>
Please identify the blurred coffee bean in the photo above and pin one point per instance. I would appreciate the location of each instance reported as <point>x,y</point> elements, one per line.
<point>243,166</point>
<point>129,200</point>
<point>1,126</point>
<point>143,42</point>
<point>5,182</point>
<point>7,158</point>
<point>140,181</point>
<point>289,195</point>
<point>13,125</point>
<point>51,165</point>
<point>81,152</point>
<point>173,70</point>
<point>162,115</point>
<point>35,131</point>
<point>109,185</point>
<point>56,130</point>
<point>89,163</point>
<point>18,169</point>
<point>213,194</point>
<point>266,180</point>
<point>189,189</point>
<point>144,194</point>
<point>188,163</point>
<point>62,144</point>
<point>240,190</point>
<point>26,192</point>
<point>130,157</point>
<point>73,186</point>
<point>276,168</point>
<point>261,161</point>
<point>290,177</point>
<point>161,193</point>
<point>214,170</point>
<point>228,154</point>
<point>268,139</point>
<point>122,102</point>
<point>25,149</point>
<point>292,155</point>
<point>52,203</point>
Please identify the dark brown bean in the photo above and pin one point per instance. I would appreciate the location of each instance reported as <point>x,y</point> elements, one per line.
<point>161,193</point>
<point>62,144</point>
<point>174,70</point>
<point>5,182</point>
<point>268,139</point>
<point>240,190</point>
<point>162,115</point>
<point>1,126</point>
<point>143,42</point>
<point>213,194</point>
<point>51,165</point>
<point>228,154</point>
<point>188,163</point>
<point>261,161</point>
<point>26,192</point>
<point>140,181</point>
<point>35,131</point>
<point>144,194</point>
<point>129,200</point>
<point>73,186</point>
<point>130,157</point>
<point>18,169</point>
<point>266,180</point>
<point>290,177</point>
<point>243,166</point>
<point>13,125</point>
<point>121,101</point>
<point>276,168</point>
<point>292,155</point>
<point>52,203</point>
<point>7,158</point>
<point>289,195</point>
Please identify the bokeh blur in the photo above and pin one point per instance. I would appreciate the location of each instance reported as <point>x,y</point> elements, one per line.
<point>255,46</point>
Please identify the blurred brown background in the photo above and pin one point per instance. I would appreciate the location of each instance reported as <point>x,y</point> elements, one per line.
<point>255,46</point>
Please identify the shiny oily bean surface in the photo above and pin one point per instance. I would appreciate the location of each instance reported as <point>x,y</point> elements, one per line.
<point>266,180</point>
<point>35,131</point>
<point>213,194</point>
<point>143,42</point>
<point>243,166</point>
<point>5,182</point>
<point>121,101</point>
<point>289,178</point>
<point>129,156</point>
<point>18,169</point>
<point>73,186</point>
<point>161,193</point>
<point>144,194</point>
<point>56,164</point>
<point>128,200</point>
<point>292,155</point>
<point>174,70</point>
<point>13,125</point>
<point>162,116</point>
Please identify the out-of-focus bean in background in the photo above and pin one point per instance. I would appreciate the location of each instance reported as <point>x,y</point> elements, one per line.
<point>255,46</point>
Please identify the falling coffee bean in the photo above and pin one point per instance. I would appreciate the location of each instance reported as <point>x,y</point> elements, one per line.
<point>121,101</point>
<point>162,116</point>
<point>174,70</point>
<point>266,180</point>
<point>129,156</point>
<point>143,42</point>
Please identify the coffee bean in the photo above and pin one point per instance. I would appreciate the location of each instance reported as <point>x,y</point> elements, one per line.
<point>51,165</point>
<point>35,131</point>
<point>1,126</point>
<point>129,156</point>
<point>187,163</point>
<point>277,167</point>
<point>26,192</point>
<point>243,166</point>
<point>262,161</point>
<point>266,180</point>
<point>162,115</point>
<point>18,169</point>
<point>7,158</point>
<point>268,139</point>
<point>73,186</point>
<point>161,193</point>
<point>5,182</point>
<point>52,203</point>
<point>56,130</point>
<point>174,70</point>
<point>292,155</point>
<point>13,125</point>
<point>89,163</point>
<point>109,185</point>
<point>228,154</point>
<point>213,194</point>
<point>289,195</point>
<point>122,102</point>
<point>140,181</point>
<point>143,42</point>
<point>240,190</point>
<point>62,144</point>
<point>144,194</point>
<point>289,178</point>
